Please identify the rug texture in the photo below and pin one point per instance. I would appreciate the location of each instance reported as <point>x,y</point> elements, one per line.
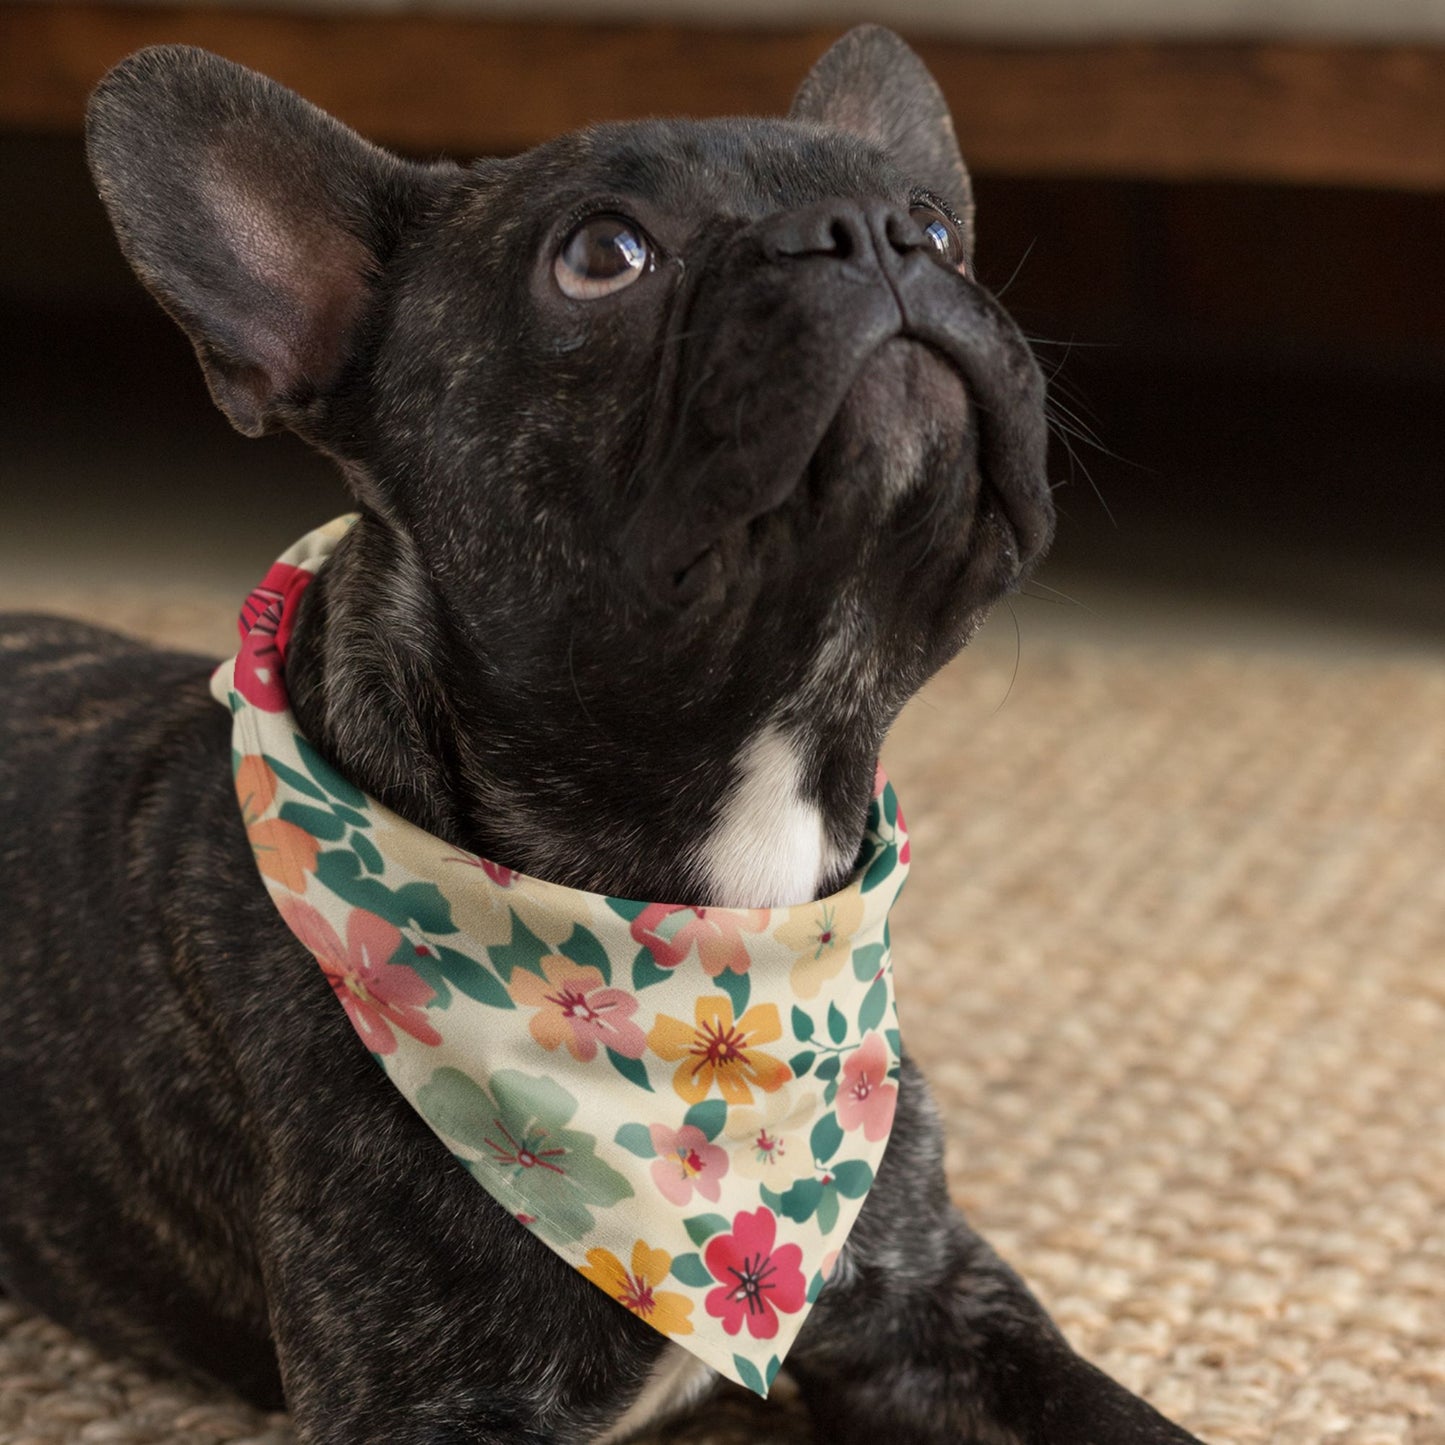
<point>1173,954</point>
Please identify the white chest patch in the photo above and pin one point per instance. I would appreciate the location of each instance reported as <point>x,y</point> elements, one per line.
<point>769,846</point>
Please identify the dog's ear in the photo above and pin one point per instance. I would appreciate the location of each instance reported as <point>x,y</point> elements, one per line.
<point>872,85</point>
<point>258,221</point>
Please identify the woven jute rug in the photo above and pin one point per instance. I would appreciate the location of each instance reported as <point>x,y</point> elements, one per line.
<point>1173,953</point>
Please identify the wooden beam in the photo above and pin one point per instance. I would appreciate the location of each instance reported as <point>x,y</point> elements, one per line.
<point>1325,114</point>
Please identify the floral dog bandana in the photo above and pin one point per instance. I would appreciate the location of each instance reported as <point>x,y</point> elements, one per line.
<point>687,1104</point>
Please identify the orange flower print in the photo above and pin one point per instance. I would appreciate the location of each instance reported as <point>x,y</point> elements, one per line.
<point>715,1050</point>
<point>574,1008</point>
<point>821,934</point>
<point>284,853</point>
<point>636,1289</point>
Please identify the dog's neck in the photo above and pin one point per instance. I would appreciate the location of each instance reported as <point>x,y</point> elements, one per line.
<point>773,815</point>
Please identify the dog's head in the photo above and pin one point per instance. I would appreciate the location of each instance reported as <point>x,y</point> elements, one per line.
<point>668,436</point>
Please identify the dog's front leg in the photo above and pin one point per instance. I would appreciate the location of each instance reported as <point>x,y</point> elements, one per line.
<point>924,1336</point>
<point>407,1308</point>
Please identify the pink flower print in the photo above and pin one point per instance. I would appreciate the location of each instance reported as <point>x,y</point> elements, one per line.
<point>575,1008</point>
<point>755,1279</point>
<point>265,624</point>
<point>670,934</point>
<point>376,994</point>
<point>686,1162</point>
<point>865,1097</point>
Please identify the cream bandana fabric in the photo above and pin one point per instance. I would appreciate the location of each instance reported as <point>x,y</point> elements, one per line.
<point>687,1104</point>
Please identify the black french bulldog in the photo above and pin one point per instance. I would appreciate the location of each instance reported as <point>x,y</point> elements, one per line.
<point>685,452</point>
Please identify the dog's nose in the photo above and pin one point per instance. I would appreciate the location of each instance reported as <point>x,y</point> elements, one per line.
<point>844,230</point>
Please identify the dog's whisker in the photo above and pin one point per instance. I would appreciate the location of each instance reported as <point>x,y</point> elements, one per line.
<point>1002,291</point>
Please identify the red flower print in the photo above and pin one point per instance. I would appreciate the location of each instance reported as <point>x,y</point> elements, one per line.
<point>865,1097</point>
<point>375,994</point>
<point>266,620</point>
<point>502,877</point>
<point>671,933</point>
<point>756,1280</point>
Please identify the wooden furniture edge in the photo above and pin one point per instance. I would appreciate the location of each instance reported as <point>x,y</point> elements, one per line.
<point>1295,113</point>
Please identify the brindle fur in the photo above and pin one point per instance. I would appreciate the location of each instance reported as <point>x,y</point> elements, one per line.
<point>578,587</point>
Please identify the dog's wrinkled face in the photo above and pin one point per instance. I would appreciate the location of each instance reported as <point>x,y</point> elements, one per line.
<point>684,429</point>
<point>730,388</point>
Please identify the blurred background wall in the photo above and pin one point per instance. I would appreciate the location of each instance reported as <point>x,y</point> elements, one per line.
<point>1223,222</point>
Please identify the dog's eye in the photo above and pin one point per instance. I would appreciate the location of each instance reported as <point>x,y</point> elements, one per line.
<point>942,235</point>
<point>602,255</point>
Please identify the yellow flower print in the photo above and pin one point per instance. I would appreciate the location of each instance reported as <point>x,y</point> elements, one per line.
<point>637,1289</point>
<point>821,934</point>
<point>717,1050</point>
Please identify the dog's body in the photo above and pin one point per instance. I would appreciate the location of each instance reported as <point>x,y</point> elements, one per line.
<point>659,530</point>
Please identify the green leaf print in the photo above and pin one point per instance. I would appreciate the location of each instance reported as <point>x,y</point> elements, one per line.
<point>853,1177</point>
<point>417,905</point>
<point>645,971</point>
<point>828,1209</point>
<point>701,1227</point>
<point>867,961</point>
<point>299,781</point>
<point>738,987</point>
<point>637,1139</point>
<point>626,908</point>
<point>827,1135</point>
<point>525,950</point>
<point>633,1070</point>
<point>837,1024</point>
<point>316,821</point>
<point>689,1269</point>
<point>748,1374</point>
<point>801,1200</point>
<point>583,948</point>
<point>879,869</point>
<point>327,776</point>
<point>365,849</point>
<point>875,1002</point>
<point>709,1116</point>
<point>802,1025</point>
<point>468,976</point>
